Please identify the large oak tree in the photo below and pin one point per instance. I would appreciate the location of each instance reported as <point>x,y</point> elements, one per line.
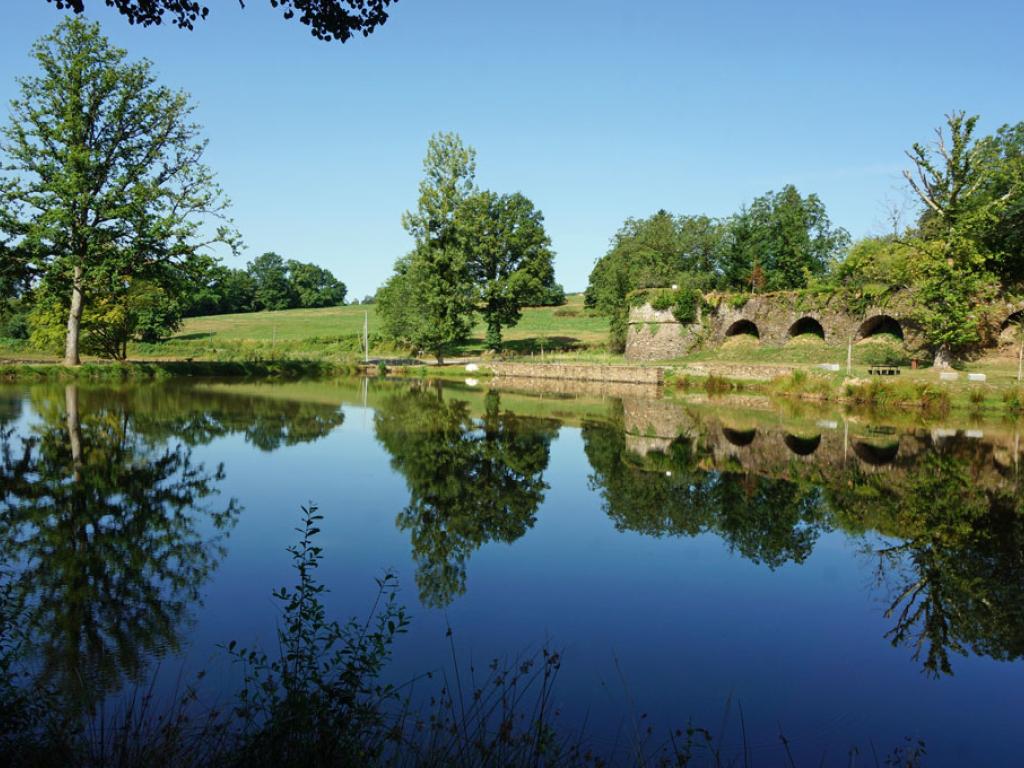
<point>104,182</point>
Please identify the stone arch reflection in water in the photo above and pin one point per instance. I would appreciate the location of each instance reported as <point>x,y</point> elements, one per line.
<point>741,438</point>
<point>802,445</point>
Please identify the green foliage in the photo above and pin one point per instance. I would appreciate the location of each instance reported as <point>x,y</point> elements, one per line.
<point>272,289</point>
<point>883,353</point>
<point>427,303</point>
<point>686,306</point>
<point>141,311</point>
<point>317,701</point>
<point>314,286</point>
<point>69,165</point>
<point>436,444</point>
<point>783,236</point>
<point>508,256</point>
<point>953,294</point>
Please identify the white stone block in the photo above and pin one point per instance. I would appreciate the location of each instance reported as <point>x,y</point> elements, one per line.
<point>472,367</point>
<point>471,382</point>
<point>949,376</point>
<point>976,377</point>
<point>829,366</point>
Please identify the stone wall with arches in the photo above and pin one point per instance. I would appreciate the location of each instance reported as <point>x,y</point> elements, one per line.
<point>772,319</point>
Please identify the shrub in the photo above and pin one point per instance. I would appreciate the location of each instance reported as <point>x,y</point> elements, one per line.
<point>884,353</point>
<point>1013,399</point>
<point>685,306</point>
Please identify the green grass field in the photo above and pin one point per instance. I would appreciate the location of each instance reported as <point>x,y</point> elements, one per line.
<point>565,327</point>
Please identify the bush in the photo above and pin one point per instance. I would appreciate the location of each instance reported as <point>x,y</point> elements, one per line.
<point>686,304</point>
<point>884,353</point>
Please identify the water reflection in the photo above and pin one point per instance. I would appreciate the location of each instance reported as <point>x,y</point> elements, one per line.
<point>471,480</point>
<point>110,528</point>
<point>102,517</point>
<point>942,520</point>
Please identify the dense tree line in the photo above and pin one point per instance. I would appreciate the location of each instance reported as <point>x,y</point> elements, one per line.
<point>782,240</point>
<point>475,250</point>
<point>269,282</point>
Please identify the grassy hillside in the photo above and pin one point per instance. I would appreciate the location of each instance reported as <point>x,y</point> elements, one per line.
<point>565,327</point>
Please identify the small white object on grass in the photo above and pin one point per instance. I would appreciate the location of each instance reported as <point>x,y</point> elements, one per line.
<point>472,367</point>
<point>949,376</point>
<point>471,382</point>
<point>829,366</point>
<point>977,377</point>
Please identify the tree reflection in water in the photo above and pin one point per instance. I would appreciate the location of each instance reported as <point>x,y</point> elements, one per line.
<point>109,528</point>
<point>101,528</point>
<point>952,557</point>
<point>470,480</point>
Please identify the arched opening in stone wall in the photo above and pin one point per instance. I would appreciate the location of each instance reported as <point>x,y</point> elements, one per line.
<point>806,326</point>
<point>742,328</point>
<point>739,437</point>
<point>1012,329</point>
<point>878,325</point>
<point>875,455</point>
<point>802,446</point>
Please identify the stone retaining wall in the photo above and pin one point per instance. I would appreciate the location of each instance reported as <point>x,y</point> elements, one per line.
<point>626,374</point>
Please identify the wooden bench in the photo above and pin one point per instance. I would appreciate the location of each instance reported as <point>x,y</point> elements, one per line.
<point>883,370</point>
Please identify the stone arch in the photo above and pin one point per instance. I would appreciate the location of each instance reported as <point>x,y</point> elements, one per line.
<point>877,324</point>
<point>874,454</point>
<point>743,327</point>
<point>1013,319</point>
<point>739,437</point>
<point>806,325</point>
<point>802,446</point>
<point>1009,335</point>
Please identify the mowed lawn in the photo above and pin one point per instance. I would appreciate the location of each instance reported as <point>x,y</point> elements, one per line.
<point>554,327</point>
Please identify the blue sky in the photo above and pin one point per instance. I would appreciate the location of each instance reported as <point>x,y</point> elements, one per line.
<point>596,110</point>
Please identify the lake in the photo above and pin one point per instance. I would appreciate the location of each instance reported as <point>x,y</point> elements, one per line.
<point>851,580</point>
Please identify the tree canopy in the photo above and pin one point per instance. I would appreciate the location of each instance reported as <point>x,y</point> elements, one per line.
<point>327,19</point>
<point>474,250</point>
<point>105,184</point>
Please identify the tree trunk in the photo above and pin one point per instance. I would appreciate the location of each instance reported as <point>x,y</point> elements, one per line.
<point>943,358</point>
<point>74,429</point>
<point>71,356</point>
<point>493,338</point>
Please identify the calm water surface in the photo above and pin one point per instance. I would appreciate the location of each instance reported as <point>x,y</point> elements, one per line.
<point>852,581</point>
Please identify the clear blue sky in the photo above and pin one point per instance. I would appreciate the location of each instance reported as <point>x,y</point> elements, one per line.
<point>596,110</point>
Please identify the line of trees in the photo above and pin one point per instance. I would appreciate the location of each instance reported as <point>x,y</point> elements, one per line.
<point>269,282</point>
<point>475,250</point>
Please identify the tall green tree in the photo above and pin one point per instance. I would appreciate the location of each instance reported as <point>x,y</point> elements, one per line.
<point>508,255</point>
<point>272,290</point>
<point>315,286</point>
<point>104,175</point>
<point>428,302</point>
<point>785,237</point>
